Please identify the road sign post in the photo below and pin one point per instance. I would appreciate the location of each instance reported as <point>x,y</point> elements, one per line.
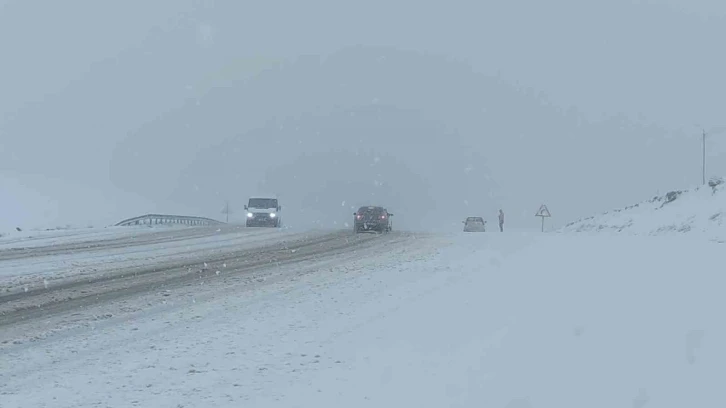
<point>226,210</point>
<point>543,213</point>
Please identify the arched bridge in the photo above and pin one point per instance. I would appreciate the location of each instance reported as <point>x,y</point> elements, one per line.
<point>152,219</point>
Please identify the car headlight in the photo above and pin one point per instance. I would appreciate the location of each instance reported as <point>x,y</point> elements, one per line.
<point>250,215</point>
<point>273,215</point>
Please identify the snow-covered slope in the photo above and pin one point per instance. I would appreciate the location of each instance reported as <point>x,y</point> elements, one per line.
<point>697,211</point>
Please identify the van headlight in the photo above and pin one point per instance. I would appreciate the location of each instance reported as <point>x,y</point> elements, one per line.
<point>250,215</point>
<point>273,215</point>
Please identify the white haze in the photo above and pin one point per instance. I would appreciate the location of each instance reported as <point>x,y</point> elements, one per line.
<point>435,110</point>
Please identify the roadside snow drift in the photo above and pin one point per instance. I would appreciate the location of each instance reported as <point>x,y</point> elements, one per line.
<point>49,237</point>
<point>697,211</point>
<point>473,320</point>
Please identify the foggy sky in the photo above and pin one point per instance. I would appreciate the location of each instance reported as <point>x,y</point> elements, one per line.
<point>114,109</point>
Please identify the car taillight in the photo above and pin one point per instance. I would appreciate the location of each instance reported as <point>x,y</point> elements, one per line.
<point>383,217</point>
<point>358,216</point>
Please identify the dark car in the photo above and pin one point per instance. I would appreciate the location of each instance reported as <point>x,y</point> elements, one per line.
<point>372,219</point>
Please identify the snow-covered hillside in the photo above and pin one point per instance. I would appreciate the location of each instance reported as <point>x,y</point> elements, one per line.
<point>697,211</point>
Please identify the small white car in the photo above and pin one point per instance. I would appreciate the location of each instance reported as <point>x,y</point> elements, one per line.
<point>475,224</point>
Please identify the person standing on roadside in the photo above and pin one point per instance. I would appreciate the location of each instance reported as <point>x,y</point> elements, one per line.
<point>501,220</point>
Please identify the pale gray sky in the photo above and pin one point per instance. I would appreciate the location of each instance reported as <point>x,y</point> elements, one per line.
<point>457,108</point>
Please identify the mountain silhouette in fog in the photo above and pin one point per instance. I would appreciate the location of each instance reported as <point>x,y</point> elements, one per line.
<point>434,119</point>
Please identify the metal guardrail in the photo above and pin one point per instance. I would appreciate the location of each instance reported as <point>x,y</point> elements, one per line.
<point>155,219</point>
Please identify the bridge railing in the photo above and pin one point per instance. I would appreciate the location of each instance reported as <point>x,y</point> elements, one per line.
<point>155,219</point>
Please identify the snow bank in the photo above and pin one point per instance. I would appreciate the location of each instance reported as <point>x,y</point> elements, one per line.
<point>29,201</point>
<point>697,211</point>
<point>58,236</point>
<point>32,201</point>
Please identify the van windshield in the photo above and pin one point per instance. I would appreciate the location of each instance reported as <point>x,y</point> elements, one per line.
<point>262,203</point>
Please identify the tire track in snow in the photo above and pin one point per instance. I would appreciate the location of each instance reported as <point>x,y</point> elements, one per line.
<point>42,304</point>
<point>18,277</point>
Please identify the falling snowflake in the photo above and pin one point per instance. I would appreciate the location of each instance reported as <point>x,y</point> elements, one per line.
<point>205,35</point>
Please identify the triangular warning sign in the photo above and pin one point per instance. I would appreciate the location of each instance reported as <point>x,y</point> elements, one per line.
<point>543,211</point>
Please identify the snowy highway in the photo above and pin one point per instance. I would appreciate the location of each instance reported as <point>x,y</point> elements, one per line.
<point>190,260</point>
<point>26,265</point>
<point>243,204</point>
<point>327,319</point>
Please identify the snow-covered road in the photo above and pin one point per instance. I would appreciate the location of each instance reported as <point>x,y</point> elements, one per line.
<point>500,320</point>
<point>40,262</point>
<point>74,300</point>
